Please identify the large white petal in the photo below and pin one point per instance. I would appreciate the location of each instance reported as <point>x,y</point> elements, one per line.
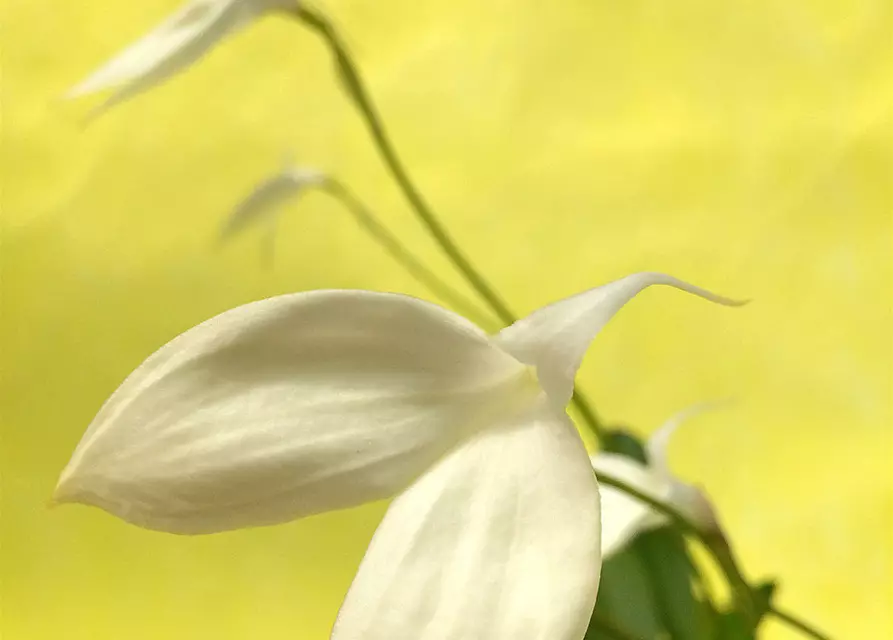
<point>287,407</point>
<point>498,541</point>
<point>555,338</point>
<point>623,516</point>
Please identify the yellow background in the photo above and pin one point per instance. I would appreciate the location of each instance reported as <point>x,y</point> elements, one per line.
<point>745,146</point>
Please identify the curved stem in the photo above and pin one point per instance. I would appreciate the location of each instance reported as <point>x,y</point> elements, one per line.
<point>357,91</point>
<point>714,542</point>
<point>802,626</point>
<point>589,416</point>
<point>353,84</point>
<point>402,255</point>
<point>717,545</point>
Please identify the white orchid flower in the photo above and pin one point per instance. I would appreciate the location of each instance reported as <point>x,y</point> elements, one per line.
<point>174,45</point>
<point>317,401</point>
<point>266,199</point>
<point>624,516</point>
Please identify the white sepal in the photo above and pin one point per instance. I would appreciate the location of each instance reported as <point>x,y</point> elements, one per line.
<point>555,338</point>
<point>687,498</point>
<point>175,44</point>
<point>624,516</point>
<point>287,407</point>
<point>499,540</point>
<point>263,204</point>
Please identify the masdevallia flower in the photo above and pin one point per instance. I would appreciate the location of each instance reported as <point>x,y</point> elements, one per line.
<point>269,195</point>
<point>624,516</point>
<point>174,45</point>
<point>263,204</point>
<point>316,401</point>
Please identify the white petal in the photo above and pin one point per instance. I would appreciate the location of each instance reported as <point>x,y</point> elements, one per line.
<point>691,502</point>
<point>623,516</point>
<point>555,338</point>
<point>688,499</point>
<point>498,541</point>
<point>659,441</point>
<point>171,47</point>
<point>270,194</point>
<point>287,407</point>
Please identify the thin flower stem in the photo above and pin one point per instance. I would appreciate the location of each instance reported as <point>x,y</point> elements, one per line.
<point>392,245</point>
<point>589,416</point>
<point>802,626</point>
<point>353,84</point>
<point>714,542</point>
<point>717,545</point>
<point>357,91</point>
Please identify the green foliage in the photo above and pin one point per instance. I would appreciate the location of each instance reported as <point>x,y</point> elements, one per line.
<point>648,589</point>
<point>624,443</point>
<point>673,575</point>
<point>626,598</point>
<point>732,625</point>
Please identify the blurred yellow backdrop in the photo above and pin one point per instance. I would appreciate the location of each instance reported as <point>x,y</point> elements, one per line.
<point>743,146</point>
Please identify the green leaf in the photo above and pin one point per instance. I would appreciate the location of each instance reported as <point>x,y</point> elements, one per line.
<point>625,595</point>
<point>624,443</point>
<point>625,598</point>
<point>732,625</point>
<point>648,588</point>
<point>672,573</point>
<point>763,594</point>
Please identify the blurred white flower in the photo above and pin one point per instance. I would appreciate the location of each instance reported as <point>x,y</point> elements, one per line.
<point>174,45</point>
<point>324,400</point>
<point>266,199</point>
<point>264,204</point>
<point>623,516</point>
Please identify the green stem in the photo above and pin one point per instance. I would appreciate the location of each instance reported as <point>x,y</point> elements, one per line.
<point>714,542</point>
<point>802,626</point>
<point>717,545</point>
<point>428,278</point>
<point>589,416</point>
<point>353,83</point>
<point>402,255</point>
<point>355,88</point>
